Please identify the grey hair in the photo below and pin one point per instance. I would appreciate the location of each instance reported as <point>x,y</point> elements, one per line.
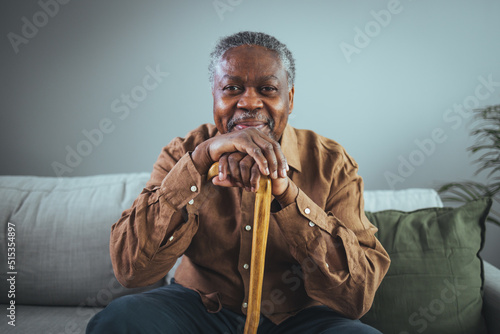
<point>253,38</point>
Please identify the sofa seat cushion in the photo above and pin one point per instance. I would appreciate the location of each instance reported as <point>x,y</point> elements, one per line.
<point>62,228</point>
<point>434,283</point>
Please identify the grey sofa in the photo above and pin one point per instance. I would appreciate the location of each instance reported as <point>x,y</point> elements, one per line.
<point>55,233</point>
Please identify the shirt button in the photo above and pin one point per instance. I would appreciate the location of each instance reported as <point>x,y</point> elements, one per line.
<point>327,265</point>
<point>245,305</point>
<point>191,202</point>
<point>194,188</point>
<point>171,238</point>
<point>248,227</point>
<point>307,211</point>
<point>245,266</point>
<point>311,224</point>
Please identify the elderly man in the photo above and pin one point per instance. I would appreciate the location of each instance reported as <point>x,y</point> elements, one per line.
<point>323,262</point>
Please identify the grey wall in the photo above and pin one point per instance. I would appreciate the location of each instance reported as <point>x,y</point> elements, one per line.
<point>382,86</point>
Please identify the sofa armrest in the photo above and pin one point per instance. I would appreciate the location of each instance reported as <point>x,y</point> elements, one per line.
<point>491,307</point>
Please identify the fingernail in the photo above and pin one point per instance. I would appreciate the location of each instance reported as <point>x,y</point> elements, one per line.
<point>253,189</point>
<point>221,176</point>
<point>267,171</point>
<point>283,172</point>
<point>275,175</point>
<point>287,167</point>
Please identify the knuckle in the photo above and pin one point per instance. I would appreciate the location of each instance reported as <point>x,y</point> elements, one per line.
<point>257,151</point>
<point>269,147</point>
<point>245,165</point>
<point>232,159</point>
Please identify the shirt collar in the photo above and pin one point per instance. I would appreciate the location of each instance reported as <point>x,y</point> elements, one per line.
<point>290,148</point>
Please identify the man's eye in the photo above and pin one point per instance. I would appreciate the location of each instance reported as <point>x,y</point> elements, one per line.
<point>268,89</point>
<point>231,88</point>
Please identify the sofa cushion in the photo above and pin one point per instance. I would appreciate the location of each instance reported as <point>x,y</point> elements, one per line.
<point>62,228</point>
<point>404,200</point>
<point>434,283</point>
<point>491,307</point>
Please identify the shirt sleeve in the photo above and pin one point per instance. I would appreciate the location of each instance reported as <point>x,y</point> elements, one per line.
<point>149,237</point>
<point>342,261</point>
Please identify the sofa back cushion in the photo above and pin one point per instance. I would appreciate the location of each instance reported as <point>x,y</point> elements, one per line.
<point>62,228</point>
<point>404,200</point>
<point>434,283</point>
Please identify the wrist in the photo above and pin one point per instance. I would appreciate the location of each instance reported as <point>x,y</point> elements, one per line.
<point>201,159</point>
<point>289,195</point>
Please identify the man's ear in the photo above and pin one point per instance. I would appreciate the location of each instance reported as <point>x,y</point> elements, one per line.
<point>290,99</point>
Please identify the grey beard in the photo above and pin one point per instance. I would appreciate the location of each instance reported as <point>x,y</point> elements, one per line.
<point>252,115</point>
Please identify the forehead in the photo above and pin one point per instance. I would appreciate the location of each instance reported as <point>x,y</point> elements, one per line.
<point>250,61</point>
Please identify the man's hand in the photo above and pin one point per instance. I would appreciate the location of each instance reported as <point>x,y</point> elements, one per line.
<point>245,155</point>
<point>240,170</point>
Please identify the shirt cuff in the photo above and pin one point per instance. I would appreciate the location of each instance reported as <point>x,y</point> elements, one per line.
<point>304,222</point>
<point>182,184</point>
<point>300,220</point>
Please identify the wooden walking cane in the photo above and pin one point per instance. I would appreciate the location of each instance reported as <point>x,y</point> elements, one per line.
<point>259,242</point>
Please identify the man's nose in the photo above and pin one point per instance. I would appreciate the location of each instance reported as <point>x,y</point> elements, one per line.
<point>250,100</point>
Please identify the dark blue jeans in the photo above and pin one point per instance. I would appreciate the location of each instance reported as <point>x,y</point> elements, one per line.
<point>174,309</point>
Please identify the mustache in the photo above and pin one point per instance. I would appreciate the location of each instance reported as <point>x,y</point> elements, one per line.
<point>251,115</point>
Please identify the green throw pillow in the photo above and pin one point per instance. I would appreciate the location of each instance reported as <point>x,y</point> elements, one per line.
<point>434,283</point>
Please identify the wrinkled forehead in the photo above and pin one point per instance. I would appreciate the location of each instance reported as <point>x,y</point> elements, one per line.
<point>250,61</point>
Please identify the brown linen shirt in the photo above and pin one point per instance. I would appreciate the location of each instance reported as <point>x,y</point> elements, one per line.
<point>321,248</point>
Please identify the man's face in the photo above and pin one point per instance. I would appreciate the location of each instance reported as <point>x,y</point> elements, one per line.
<point>251,90</point>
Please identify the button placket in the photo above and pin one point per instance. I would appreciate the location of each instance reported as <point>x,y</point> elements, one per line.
<point>247,204</point>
